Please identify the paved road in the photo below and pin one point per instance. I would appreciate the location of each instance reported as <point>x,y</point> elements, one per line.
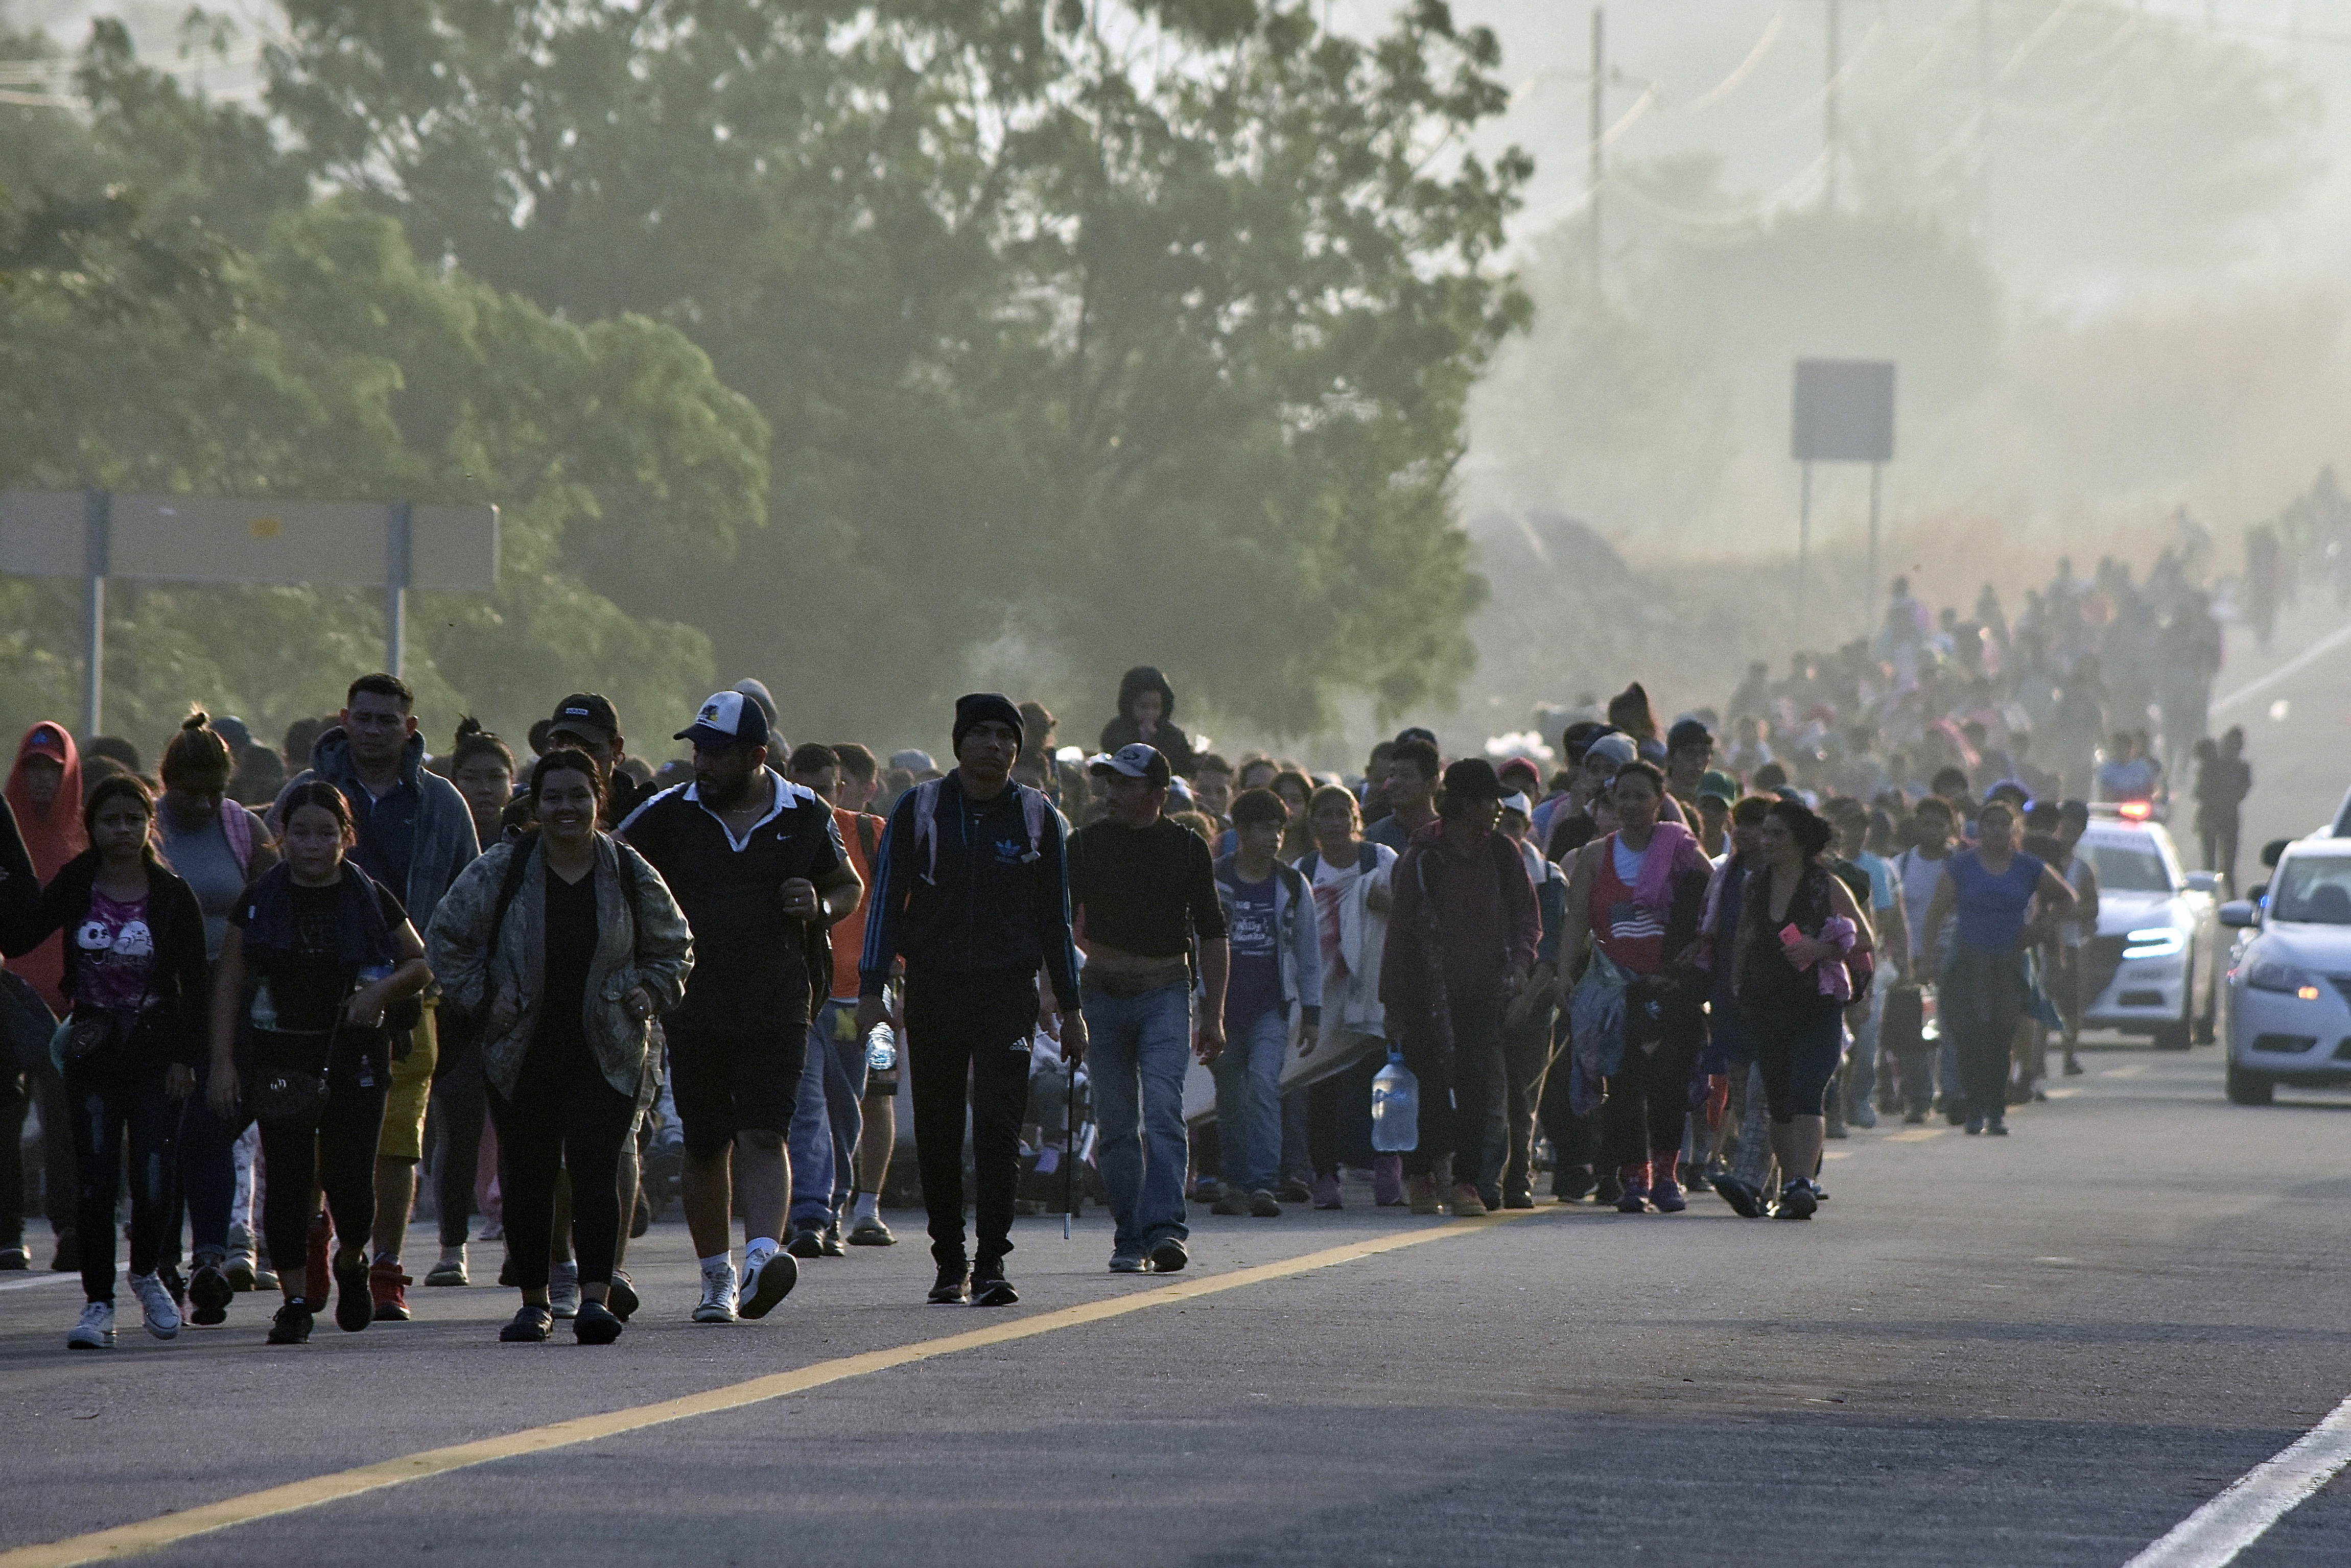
<point>2042,1350</point>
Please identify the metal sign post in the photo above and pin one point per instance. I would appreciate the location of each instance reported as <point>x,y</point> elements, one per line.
<point>95,535</point>
<point>1843,412</point>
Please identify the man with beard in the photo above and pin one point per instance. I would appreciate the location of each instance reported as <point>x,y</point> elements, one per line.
<point>758,867</point>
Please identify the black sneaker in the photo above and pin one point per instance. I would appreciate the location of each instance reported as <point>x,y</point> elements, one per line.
<point>68,1258</point>
<point>1263,1205</point>
<point>808,1241</point>
<point>830,1241</point>
<point>532,1324</point>
<point>769,1283</point>
<point>2073,1066</point>
<point>1914,1119</point>
<point>354,1303</point>
<point>989,1287</point>
<point>1607,1191</point>
<point>209,1294</point>
<point>1517,1197</point>
<point>1168,1257</point>
<point>1797,1201</point>
<point>621,1298</point>
<point>595,1325</point>
<point>292,1323</point>
<point>1128,1263</point>
<point>949,1290</point>
<point>1233,1202</point>
<point>1572,1184</point>
<point>1996,1126</point>
<point>1744,1200</point>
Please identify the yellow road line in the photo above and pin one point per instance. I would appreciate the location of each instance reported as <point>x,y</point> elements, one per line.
<point>153,1534</point>
<point>1916,1135</point>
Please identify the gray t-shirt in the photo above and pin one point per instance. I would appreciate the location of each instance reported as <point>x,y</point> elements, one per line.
<point>204,861</point>
<point>1919,876</point>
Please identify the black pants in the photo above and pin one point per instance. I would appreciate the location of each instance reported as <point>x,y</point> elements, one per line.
<point>108,1108</point>
<point>1460,1094</point>
<point>563,1116</point>
<point>60,1186</point>
<point>974,1030</point>
<point>1797,1046</point>
<point>1982,997</point>
<point>335,1152</point>
<point>1333,1105</point>
<point>1526,1053</point>
<point>459,1104</point>
<point>1648,1101</point>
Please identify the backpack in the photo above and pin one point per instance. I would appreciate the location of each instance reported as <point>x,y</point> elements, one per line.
<point>237,826</point>
<point>1033,807</point>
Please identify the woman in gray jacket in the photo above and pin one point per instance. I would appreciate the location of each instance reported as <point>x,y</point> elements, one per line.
<point>566,945</point>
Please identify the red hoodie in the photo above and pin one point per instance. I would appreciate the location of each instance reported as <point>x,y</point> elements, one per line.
<point>52,836</point>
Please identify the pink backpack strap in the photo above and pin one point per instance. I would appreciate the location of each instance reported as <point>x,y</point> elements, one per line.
<point>237,823</point>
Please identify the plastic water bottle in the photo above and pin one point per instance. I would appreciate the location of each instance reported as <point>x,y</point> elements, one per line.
<point>265,1008</point>
<point>881,1048</point>
<point>1396,1108</point>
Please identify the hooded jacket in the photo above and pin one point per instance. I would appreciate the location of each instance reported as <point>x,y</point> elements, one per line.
<point>1169,740</point>
<point>445,844</point>
<point>51,838</point>
<point>1298,950</point>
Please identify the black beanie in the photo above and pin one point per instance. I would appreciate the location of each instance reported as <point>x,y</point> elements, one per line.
<point>981,706</point>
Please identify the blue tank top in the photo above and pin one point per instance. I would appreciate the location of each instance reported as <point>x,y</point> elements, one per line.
<point>1991,908</point>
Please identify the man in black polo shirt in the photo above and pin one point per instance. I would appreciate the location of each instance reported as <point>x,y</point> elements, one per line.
<point>969,890</point>
<point>755,863</point>
<point>1145,890</point>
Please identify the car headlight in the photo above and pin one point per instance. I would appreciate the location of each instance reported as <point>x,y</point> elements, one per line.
<point>2269,975</point>
<point>2155,942</point>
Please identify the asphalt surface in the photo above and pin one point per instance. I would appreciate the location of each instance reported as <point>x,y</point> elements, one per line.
<point>2046,1349</point>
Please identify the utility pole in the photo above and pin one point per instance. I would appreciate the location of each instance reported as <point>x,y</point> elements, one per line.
<point>1829,113</point>
<point>1599,87</point>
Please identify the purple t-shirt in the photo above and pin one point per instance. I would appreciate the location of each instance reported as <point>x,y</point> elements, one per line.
<point>1255,989</point>
<point>114,956</point>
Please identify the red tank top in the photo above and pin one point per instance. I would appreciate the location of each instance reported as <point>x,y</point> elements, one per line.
<point>1634,936</point>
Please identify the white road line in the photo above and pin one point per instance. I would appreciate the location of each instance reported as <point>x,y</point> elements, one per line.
<point>2215,1533</point>
<point>26,1284</point>
<point>2308,656</point>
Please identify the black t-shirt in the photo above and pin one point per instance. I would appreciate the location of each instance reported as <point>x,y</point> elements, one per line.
<point>309,985</point>
<point>1145,891</point>
<point>751,960</point>
<point>571,933</point>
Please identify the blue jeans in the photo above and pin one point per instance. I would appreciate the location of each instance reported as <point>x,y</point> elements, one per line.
<point>1138,1049</point>
<point>827,1121</point>
<point>1249,1102</point>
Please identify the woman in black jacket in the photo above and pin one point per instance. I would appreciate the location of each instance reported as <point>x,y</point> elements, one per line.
<point>134,968</point>
<point>1146,712</point>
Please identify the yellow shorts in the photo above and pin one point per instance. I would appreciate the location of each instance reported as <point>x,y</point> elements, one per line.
<point>412,1090</point>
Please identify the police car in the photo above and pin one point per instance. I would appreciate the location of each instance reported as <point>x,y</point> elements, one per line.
<point>2286,1009</point>
<point>2154,964</point>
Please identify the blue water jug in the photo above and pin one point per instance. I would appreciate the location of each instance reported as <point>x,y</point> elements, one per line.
<point>1395,1107</point>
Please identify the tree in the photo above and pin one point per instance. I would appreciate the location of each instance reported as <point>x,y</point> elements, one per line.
<point>323,359</point>
<point>1087,335</point>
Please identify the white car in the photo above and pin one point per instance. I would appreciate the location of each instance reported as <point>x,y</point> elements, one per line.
<point>2285,1014</point>
<point>2154,965</point>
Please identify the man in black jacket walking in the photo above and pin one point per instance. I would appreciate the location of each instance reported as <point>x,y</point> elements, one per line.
<point>971,890</point>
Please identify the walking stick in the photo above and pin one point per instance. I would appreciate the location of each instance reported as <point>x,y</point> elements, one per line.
<point>1069,1151</point>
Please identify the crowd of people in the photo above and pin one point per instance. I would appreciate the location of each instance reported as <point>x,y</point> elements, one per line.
<point>557,979</point>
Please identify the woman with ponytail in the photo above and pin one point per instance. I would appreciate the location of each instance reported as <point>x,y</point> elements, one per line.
<point>216,846</point>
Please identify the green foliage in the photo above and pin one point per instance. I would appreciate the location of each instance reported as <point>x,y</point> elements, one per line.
<point>301,347</point>
<point>1087,335</point>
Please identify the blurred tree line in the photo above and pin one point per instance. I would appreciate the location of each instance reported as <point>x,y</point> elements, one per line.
<point>850,346</point>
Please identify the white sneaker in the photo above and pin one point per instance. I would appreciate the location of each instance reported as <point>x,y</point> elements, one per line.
<point>563,1290</point>
<point>717,1303</point>
<point>95,1329</point>
<point>155,1300</point>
